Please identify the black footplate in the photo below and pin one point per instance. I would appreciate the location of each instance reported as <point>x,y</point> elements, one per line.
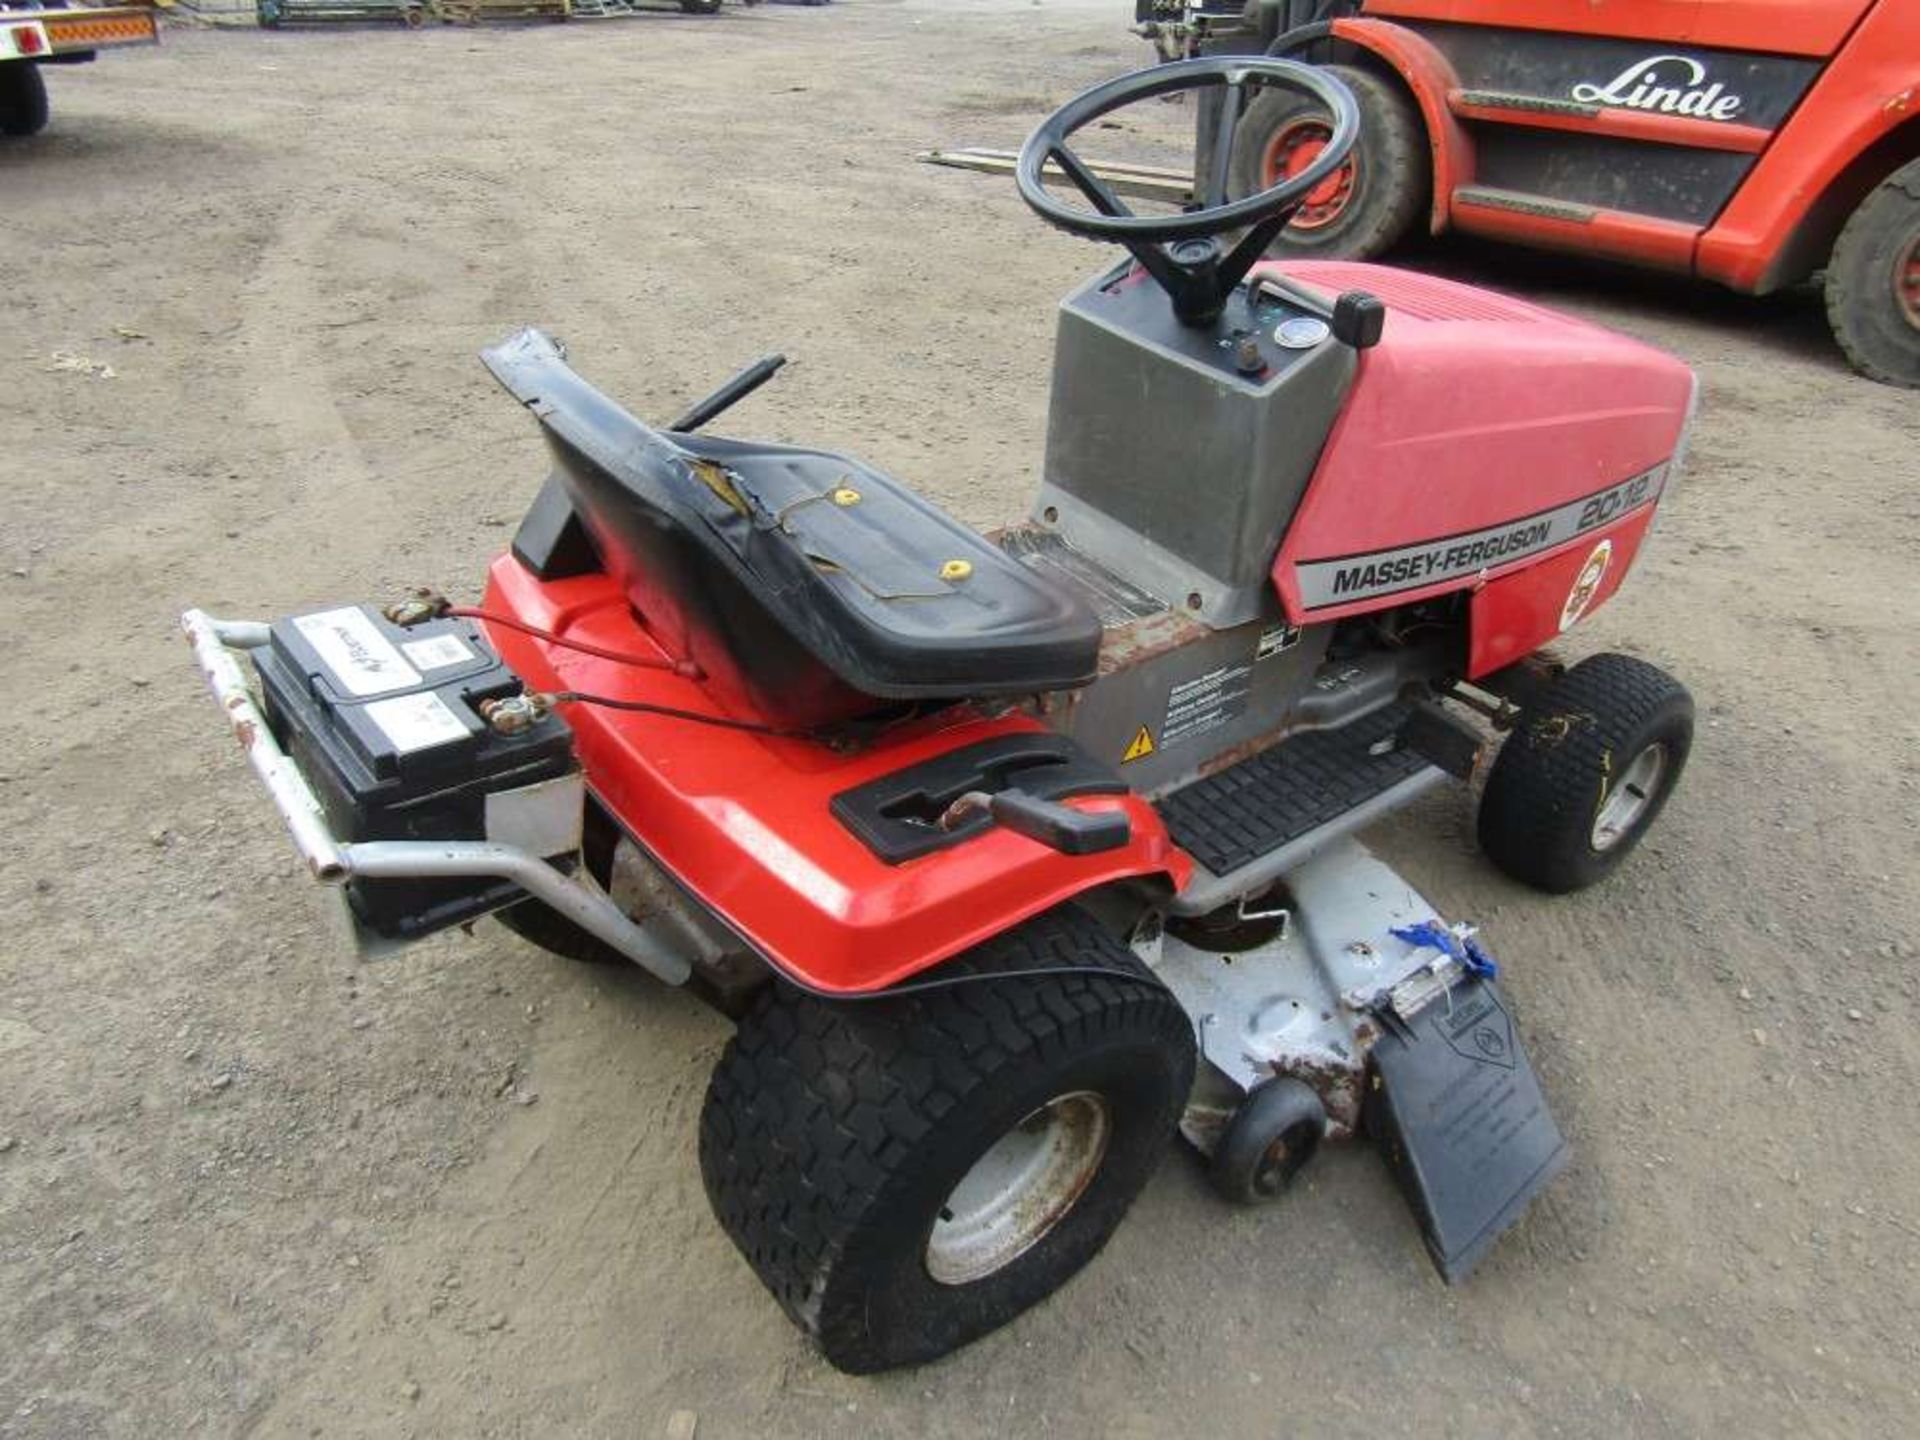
<point>1230,819</point>
<point>1461,1121</point>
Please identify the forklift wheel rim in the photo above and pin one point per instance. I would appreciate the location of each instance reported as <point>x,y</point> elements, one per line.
<point>1023,1185</point>
<point>1906,281</point>
<point>1288,151</point>
<point>1631,798</point>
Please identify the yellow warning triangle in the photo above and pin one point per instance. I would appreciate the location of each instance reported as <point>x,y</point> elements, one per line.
<point>1141,747</point>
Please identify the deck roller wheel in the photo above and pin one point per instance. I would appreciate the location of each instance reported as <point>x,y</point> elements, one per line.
<point>1275,1132</point>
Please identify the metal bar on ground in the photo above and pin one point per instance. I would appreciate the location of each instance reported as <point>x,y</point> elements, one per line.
<point>1146,182</point>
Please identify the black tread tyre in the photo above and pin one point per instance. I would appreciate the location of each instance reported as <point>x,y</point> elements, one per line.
<point>700,7</point>
<point>542,925</point>
<point>834,1134</point>
<point>1387,174</point>
<point>1269,1140</point>
<point>23,99</point>
<point>1873,281</point>
<point>1551,784</point>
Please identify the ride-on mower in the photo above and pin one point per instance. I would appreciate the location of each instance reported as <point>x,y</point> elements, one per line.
<point>1013,855</point>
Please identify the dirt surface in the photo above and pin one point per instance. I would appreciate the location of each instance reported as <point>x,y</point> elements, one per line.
<point>250,1187</point>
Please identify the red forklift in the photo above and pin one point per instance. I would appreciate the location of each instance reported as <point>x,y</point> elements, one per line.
<point>1750,142</point>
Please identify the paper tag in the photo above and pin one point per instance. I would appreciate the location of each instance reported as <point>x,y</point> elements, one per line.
<point>417,722</point>
<point>355,652</point>
<point>436,652</point>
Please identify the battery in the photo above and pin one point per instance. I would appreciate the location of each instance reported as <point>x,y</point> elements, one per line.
<point>384,723</point>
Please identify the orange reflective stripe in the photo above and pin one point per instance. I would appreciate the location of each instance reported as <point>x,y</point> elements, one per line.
<point>101,30</point>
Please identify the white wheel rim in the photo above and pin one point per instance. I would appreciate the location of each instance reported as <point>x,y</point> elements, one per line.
<point>1634,793</point>
<point>1024,1185</point>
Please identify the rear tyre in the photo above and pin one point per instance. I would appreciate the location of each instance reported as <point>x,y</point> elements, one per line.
<point>700,7</point>
<point>1873,281</point>
<point>1366,206</point>
<point>1587,773</point>
<point>907,1175</point>
<point>23,99</point>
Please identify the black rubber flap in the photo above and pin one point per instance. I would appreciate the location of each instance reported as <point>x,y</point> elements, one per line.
<point>1461,1121</point>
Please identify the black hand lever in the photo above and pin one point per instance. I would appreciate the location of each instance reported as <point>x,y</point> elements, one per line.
<point>729,394</point>
<point>1059,827</point>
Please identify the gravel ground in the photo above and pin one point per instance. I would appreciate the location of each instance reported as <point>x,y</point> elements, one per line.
<point>250,1187</point>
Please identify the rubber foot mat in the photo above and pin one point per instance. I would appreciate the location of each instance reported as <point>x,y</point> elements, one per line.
<point>1231,818</point>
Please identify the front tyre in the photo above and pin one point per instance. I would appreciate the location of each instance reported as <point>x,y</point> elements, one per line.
<point>1873,281</point>
<point>907,1175</point>
<point>23,99</point>
<point>700,7</point>
<point>1586,773</point>
<point>1366,206</point>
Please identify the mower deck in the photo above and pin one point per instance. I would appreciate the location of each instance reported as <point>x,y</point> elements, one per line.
<point>1317,982</point>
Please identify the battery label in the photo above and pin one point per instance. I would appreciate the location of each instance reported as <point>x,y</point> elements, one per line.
<point>436,652</point>
<point>1206,702</point>
<point>355,652</point>
<point>417,722</point>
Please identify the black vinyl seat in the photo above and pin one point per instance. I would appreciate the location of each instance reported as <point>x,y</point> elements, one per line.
<point>806,583</point>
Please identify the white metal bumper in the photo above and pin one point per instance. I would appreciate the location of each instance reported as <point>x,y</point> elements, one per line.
<point>334,861</point>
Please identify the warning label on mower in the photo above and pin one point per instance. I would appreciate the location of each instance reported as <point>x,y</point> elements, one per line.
<point>1276,639</point>
<point>1206,702</point>
<point>1432,562</point>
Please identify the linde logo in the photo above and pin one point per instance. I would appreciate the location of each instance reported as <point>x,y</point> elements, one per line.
<point>1670,84</point>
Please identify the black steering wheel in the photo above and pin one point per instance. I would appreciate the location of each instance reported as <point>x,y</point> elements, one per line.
<point>1183,252</point>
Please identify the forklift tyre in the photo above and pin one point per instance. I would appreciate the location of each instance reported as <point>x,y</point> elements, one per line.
<point>906,1175</point>
<point>1873,281</point>
<point>1586,772</point>
<point>700,7</point>
<point>1275,1132</point>
<point>23,99</point>
<point>1366,206</point>
<point>542,925</point>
